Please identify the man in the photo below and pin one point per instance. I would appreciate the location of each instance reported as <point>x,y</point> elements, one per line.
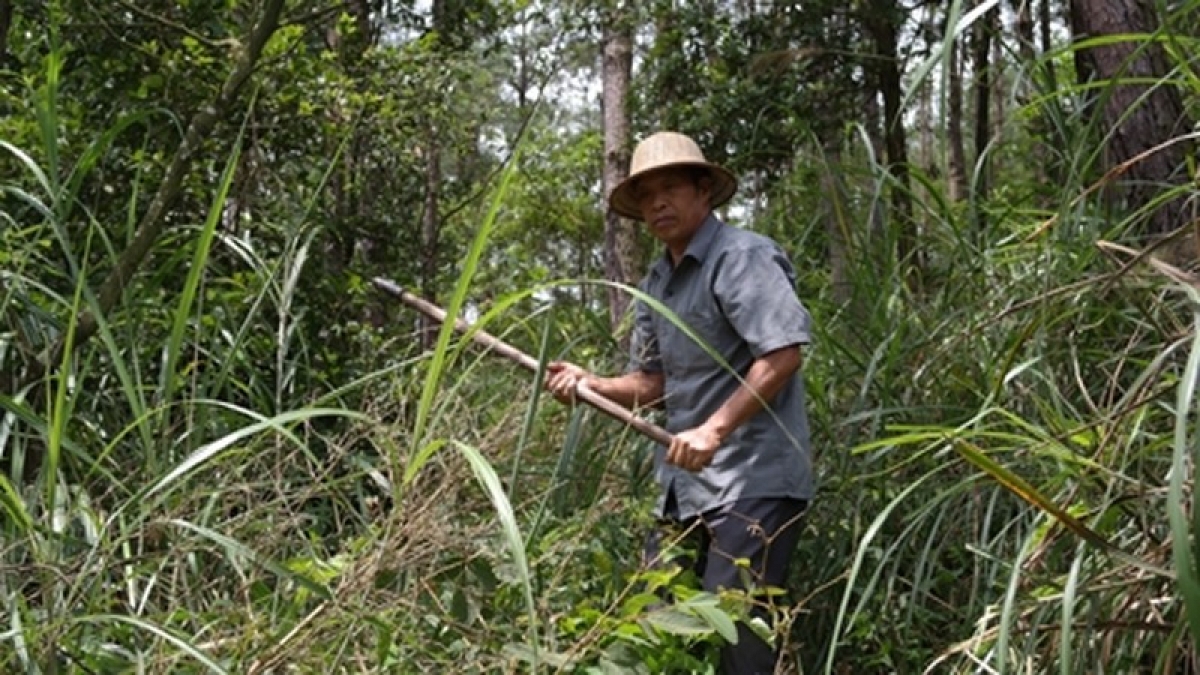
<point>738,470</point>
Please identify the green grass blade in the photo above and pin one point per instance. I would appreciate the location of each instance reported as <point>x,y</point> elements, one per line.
<point>1184,455</point>
<point>183,311</point>
<point>470,264</point>
<point>206,452</point>
<point>39,175</point>
<point>1008,611</point>
<point>46,108</point>
<point>1021,488</point>
<point>238,548</point>
<point>18,515</point>
<point>60,411</point>
<point>486,475</point>
<point>154,629</point>
<point>531,409</point>
<point>856,568</point>
<point>1070,598</point>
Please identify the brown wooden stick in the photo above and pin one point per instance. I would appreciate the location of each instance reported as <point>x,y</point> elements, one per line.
<point>604,405</point>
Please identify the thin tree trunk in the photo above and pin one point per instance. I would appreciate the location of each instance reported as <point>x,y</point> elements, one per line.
<point>6,17</point>
<point>998,76</point>
<point>430,227</point>
<point>1023,27</point>
<point>981,63</point>
<point>1045,21</point>
<point>1032,77</point>
<point>620,237</point>
<point>926,156</point>
<point>880,20</point>
<point>1135,117</point>
<point>956,163</point>
<point>837,226</point>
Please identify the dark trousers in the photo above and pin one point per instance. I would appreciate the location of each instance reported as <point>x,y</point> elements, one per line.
<point>763,531</point>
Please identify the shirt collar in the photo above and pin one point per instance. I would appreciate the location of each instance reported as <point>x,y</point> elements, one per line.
<point>697,248</point>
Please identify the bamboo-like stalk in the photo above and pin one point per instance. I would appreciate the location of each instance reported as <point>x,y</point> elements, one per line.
<point>583,393</point>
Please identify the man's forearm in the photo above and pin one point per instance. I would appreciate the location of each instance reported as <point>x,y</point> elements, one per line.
<point>638,389</point>
<point>766,377</point>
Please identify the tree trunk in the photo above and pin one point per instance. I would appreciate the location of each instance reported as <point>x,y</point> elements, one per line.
<point>981,63</point>
<point>837,226</point>
<point>430,227</point>
<point>926,155</point>
<point>1034,77</point>
<point>1045,20</point>
<point>880,21</point>
<point>957,161</point>
<point>6,16</point>
<point>1135,117</point>
<point>1023,27</point>
<point>620,237</point>
<point>873,120</point>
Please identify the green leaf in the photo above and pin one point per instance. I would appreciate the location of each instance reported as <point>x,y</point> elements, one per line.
<point>459,607</point>
<point>674,621</point>
<point>719,620</point>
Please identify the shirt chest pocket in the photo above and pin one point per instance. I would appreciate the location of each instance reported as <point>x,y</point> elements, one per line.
<point>710,333</point>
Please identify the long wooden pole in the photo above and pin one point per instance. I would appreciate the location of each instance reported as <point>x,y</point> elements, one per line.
<point>604,405</point>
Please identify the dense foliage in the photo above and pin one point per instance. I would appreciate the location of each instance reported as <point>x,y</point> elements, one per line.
<point>224,450</point>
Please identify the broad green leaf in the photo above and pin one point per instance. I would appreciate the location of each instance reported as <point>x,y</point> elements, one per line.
<point>678,622</point>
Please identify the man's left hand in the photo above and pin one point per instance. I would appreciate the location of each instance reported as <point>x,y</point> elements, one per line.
<point>693,449</point>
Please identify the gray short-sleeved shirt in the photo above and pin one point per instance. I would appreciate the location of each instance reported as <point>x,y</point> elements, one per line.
<point>736,290</point>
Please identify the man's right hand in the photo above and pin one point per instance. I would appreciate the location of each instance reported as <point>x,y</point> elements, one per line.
<point>563,378</point>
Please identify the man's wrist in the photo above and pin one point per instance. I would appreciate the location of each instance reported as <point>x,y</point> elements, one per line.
<point>592,382</point>
<point>717,428</point>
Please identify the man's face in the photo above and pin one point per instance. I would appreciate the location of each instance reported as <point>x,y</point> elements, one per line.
<point>674,204</point>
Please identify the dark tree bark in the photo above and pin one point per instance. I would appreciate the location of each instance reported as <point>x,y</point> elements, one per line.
<point>1135,118</point>
<point>620,237</point>
<point>837,224</point>
<point>982,86</point>
<point>957,161</point>
<point>430,230</point>
<point>1035,76</point>
<point>1045,25</point>
<point>1023,27</point>
<point>6,17</point>
<point>873,120</point>
<point>880,19</point>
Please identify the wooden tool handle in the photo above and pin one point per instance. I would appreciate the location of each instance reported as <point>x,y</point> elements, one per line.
<point>585,394</point>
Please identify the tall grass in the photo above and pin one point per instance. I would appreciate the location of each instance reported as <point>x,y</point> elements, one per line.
<point>1006,458</point>
<point>1019,435</point>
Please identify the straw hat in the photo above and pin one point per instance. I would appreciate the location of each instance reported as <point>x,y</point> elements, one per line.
<point>659,151</point>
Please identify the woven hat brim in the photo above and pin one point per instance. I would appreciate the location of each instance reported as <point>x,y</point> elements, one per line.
<point>624,203</point>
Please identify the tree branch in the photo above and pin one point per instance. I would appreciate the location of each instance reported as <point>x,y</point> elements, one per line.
<point>151,225</point>
<point>164,21</point>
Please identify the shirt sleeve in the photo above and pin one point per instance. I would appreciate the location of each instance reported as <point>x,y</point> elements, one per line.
<point>643,343</point>
<point>755,287</point>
